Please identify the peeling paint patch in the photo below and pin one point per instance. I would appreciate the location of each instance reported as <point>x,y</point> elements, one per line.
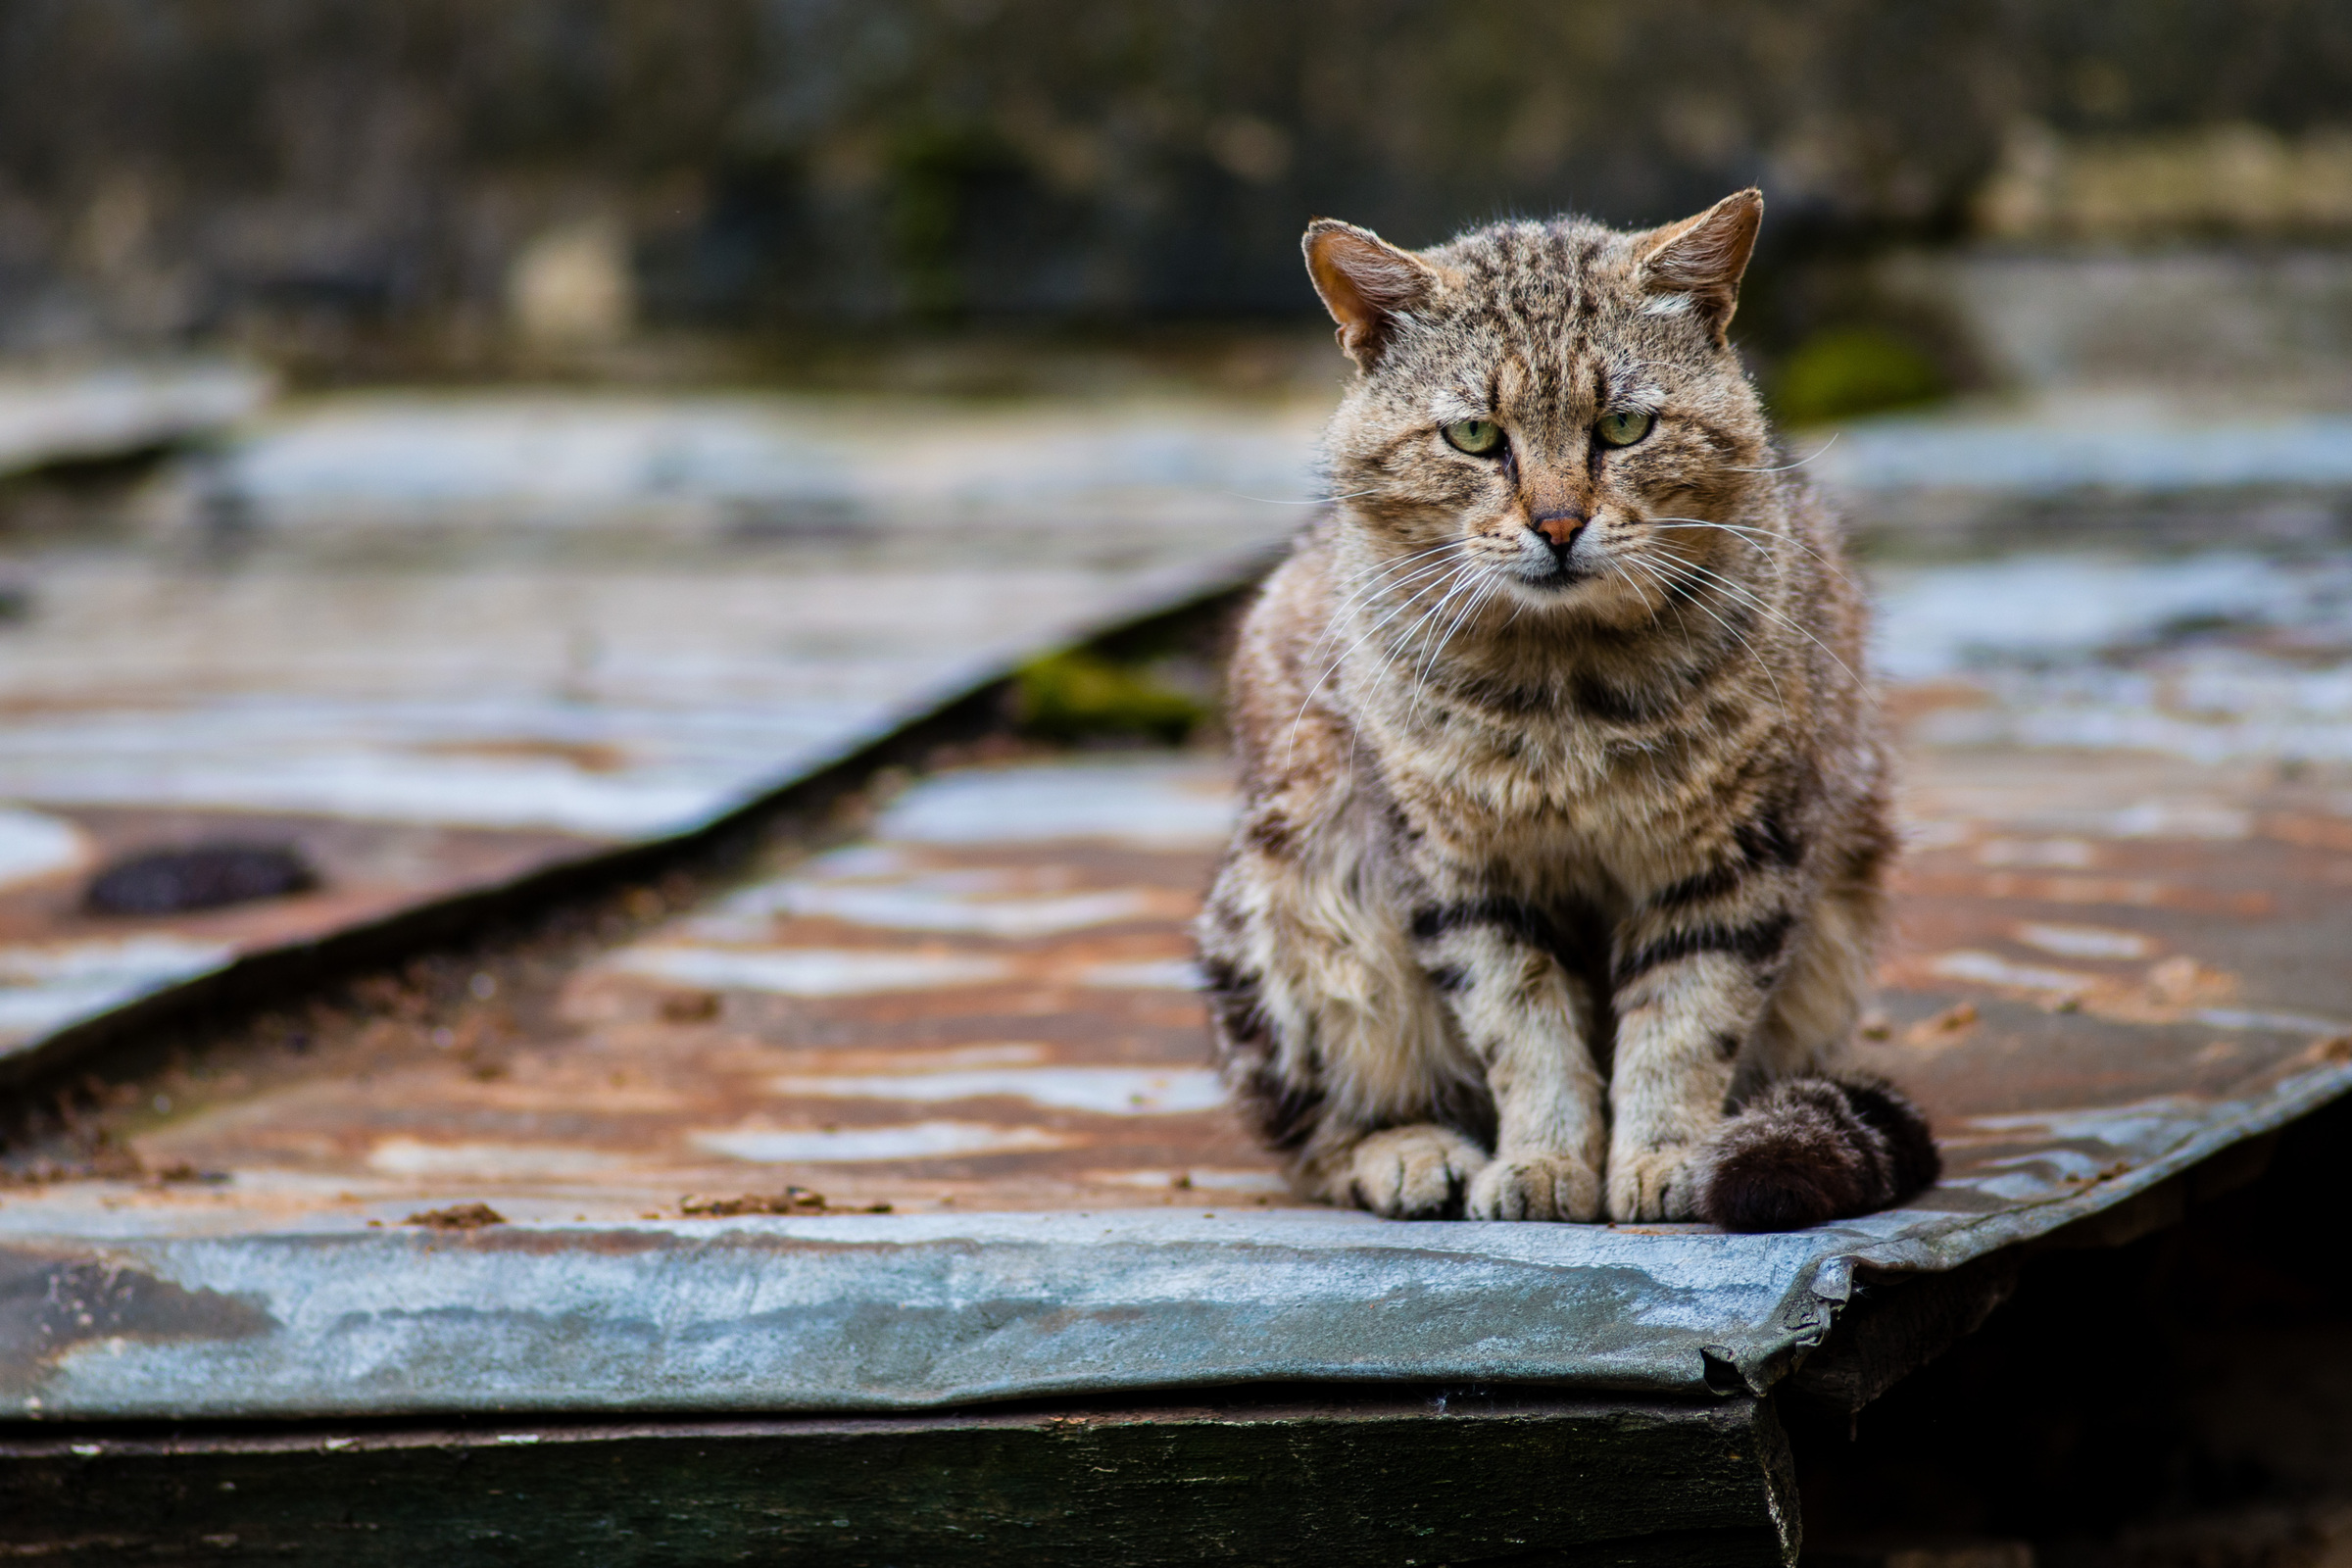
<point>2071,855</point>
<point>1102,1090</point>
<point>1158,974</point>
<point>808,972</point>
<point>922,1140</point>
<point>2083,941</point>
<point>1137,803</point>
<point>33,846</point>
<point>1195,1179</point>
<point>410,1156</point>
<point>1992,970</point>
<point>964,903</point>
<point>46,986</point>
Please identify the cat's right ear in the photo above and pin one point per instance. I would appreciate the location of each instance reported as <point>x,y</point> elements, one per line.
<point>1696,266</point>
<point>1366,284</point>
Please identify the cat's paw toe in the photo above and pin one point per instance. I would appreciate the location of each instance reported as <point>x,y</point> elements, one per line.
<point>1413,1172</point>
<point>1562,1187</point>
<point>1652,1184</point>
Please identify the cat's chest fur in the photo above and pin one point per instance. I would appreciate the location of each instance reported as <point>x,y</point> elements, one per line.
<point>1538,796</point>
<point>1557,807</point>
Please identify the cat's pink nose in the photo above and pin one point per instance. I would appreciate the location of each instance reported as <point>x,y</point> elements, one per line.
<point>1560,528</point>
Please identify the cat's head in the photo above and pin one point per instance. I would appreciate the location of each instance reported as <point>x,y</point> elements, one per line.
<point>1547,409</point>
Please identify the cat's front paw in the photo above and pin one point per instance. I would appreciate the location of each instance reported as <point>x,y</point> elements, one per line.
<point>1562,1187</point>
<point>1413,1172</point>
<point>1652,1184</point>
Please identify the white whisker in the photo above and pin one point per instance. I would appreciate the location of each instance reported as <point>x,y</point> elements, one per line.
<point>1756,539</point>
<point>1740,592</point>
<point>1799,463</point>
<point>1311,501</point>
<point>1332,668</point>
<point>1780,699</point>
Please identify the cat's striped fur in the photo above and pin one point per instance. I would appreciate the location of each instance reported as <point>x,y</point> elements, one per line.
<point>1566,825</point>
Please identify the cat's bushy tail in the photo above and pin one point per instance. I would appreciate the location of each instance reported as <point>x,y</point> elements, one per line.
<point>1811,1149</point>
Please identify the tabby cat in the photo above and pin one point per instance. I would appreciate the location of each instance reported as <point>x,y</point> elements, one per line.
<point>1566,818</point>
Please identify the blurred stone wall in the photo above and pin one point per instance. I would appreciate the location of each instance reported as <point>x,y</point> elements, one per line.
<point>565,171</point>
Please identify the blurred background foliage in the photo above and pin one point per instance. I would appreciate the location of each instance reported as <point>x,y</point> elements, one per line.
<point>432,187</point>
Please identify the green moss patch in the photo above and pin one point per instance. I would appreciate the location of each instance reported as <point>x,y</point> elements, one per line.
<point>1081,696</point>
<point>1851,371</point>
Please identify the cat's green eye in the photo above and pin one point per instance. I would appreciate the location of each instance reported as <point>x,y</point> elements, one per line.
<point>1478,437</point>
<point>1624,427</point>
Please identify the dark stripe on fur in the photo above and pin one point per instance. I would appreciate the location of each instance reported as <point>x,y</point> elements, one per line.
<point>1241,1021</point>
<point>1712,883</point>
<point>1574,934</point>
<point>1760,942</point>
<point>1523,920</point>
<point>1284,1114</point>
<point>1609,703</point>
<point>1768,840</point>
<point>1807,1151</point>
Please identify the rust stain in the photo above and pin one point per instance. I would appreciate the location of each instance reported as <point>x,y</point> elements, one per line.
<point>51,1303</point>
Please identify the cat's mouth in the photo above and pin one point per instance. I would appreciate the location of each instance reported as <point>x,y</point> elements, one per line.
<point>1553,575</point>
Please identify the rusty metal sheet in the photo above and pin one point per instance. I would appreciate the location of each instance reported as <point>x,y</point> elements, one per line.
<point>307,630</point>
<point>982,1007</point>
<point>2122,931</point>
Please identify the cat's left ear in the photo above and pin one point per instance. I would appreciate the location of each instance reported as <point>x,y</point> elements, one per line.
<point>1367,283</point>
<point>1695,264</point>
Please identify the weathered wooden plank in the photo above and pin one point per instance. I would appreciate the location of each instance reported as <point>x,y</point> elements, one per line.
<point>1446,1477</point>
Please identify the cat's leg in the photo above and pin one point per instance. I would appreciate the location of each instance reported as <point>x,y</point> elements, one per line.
<point>1335,1046</point>
<point>1806,1026</point>
<point>1530,1026</point>
<point>1690,984</point>
<point>1744,1003</point>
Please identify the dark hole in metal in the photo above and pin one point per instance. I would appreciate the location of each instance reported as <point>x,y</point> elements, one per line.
<point>200,876</point>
